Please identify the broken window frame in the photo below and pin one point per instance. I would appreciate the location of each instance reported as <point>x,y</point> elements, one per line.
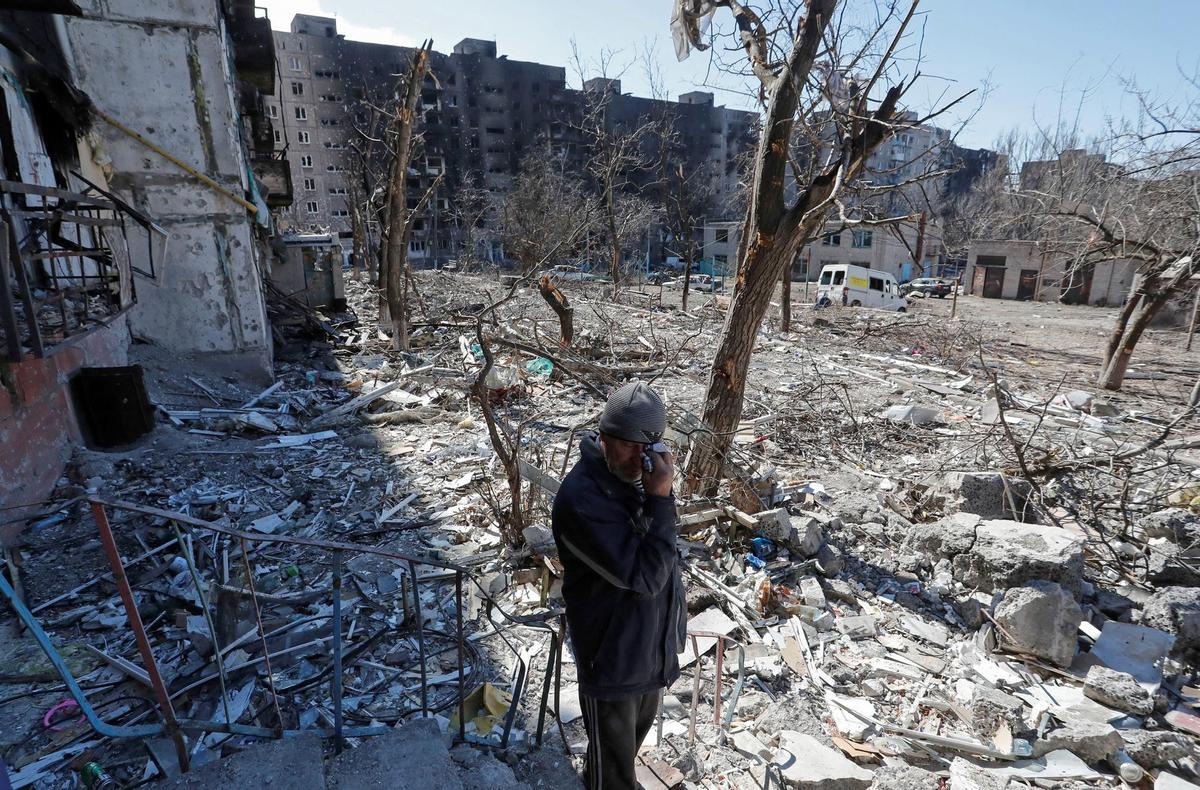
<point>58,242</point>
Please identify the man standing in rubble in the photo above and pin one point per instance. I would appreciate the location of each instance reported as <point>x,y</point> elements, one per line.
<point>614,524</point>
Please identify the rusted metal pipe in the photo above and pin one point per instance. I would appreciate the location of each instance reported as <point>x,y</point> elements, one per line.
<point>262,636</point>
<point>335,680</point>
<point>462,689</point>
<point>139,633</point>
<point>420,617</point>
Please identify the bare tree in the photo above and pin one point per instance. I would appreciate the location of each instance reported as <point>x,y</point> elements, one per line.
<point>545,206</point>
<point>617,161</point>
<point>472,212</point>
<point>684,179</point>
<point>399,217</point>
<point>688,197</point>
<point>1142,207</point>
<point>368,167</point>
<point>1131,197</point>
<point>835,128</point>
<point>358,196</point>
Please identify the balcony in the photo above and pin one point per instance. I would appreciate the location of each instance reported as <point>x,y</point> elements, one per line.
<point>70,267</point>
<point>253,47</point>
<point>274,177</point>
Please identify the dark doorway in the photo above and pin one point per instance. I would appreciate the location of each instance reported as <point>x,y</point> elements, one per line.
<point>993,282</point>
<point>1077,284</point>
<point>1027,286</point>
<point>989,276</point>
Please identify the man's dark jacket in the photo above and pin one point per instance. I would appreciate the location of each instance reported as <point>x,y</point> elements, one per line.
<point>626,611</point>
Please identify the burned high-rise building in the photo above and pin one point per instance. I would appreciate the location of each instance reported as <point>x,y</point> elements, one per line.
<point>481,114</point>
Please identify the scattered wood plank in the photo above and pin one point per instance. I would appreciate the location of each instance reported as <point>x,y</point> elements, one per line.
<point>538,477</point>
<point>126,668</point>
<point>366,399</point>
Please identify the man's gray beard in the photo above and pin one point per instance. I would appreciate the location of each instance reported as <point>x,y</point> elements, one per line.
<point>617,474</point>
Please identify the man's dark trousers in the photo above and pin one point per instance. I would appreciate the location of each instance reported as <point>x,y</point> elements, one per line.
<point>615,731</point>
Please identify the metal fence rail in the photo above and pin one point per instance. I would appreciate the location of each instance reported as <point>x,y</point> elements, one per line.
<point>174,726</point>
<point>551,623</point>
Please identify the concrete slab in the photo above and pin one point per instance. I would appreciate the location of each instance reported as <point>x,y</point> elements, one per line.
<point>808,764</point>
<point>294,763</point>
<point>412,757</point>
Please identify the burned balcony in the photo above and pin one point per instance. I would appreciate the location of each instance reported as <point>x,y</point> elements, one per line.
<point>274,177</point>
<point>66,263</point>
<point>253,46</point>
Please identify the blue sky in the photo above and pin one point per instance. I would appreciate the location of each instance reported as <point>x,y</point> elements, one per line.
<point>1036,56</point>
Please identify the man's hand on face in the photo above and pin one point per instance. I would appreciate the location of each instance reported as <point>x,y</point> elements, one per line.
<point>658,482</point>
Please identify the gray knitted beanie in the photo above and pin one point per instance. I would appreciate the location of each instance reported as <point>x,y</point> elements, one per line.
<point>634,413</point>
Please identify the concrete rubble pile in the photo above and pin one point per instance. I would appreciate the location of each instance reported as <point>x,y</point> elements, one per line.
<point>928,570</point>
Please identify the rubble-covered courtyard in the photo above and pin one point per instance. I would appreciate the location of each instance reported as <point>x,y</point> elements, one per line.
<point>943,558</point>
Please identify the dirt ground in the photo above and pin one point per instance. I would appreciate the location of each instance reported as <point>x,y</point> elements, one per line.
<point>1035,334</point>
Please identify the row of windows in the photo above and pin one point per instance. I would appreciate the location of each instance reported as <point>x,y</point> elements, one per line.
<point>298,90</point>
<point>315,208</point>
<point>861,239</point>
<point>305,138</point>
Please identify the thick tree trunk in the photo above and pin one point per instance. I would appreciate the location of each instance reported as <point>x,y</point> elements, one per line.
<point>773,231</point>
<point>1151,294</point>
<point>1113,374</point>
<point>1114,340</point>
<point>757,275</point>
<point>559,304</point>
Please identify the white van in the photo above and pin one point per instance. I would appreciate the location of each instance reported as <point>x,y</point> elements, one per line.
<point>858,286</point>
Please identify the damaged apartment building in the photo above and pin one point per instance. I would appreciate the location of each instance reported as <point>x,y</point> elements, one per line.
<point>482,113</point>
<point>133,210</point>
<point>916,176</point>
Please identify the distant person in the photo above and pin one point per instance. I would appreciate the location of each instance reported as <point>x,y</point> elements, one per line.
<point>614,524</point>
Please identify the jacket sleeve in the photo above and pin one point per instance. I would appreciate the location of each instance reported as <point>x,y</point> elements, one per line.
<point>604,539</point>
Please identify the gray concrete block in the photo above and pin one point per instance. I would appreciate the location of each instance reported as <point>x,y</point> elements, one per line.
<point>1040,618</point>
<point>411,757</point>
<point>1118,690</point>
<point>809,764</point>
<point>294,763</point>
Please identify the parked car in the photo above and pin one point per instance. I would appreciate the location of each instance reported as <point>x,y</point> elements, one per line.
<point>566,273</point>
<point>705,282</point>
<point>858,286</point>
<point>927,286</point>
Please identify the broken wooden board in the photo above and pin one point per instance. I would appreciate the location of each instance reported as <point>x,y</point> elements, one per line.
<point>538,477</point>
<point>657,775</point>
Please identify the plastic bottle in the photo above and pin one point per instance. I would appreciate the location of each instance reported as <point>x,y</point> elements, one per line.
<point>96,778</point>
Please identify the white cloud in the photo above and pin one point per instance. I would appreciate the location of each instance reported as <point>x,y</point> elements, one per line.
<point>282,11</point>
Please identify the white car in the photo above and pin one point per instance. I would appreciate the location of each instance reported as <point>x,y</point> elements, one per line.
<point>569,274</point>
<point>857,286</point>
